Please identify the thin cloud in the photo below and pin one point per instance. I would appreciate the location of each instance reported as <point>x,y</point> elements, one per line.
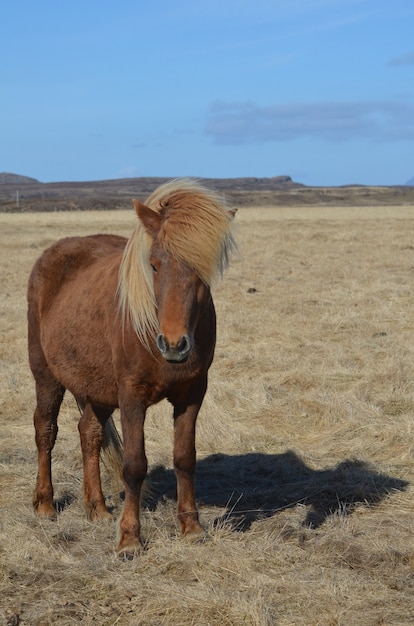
<point>246,122</point>
<point>405,59</point>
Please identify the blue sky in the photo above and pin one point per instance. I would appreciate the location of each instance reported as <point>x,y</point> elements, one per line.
<point>321,90</point>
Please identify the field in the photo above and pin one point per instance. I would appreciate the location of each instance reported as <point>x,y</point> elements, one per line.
<point>305,441</point>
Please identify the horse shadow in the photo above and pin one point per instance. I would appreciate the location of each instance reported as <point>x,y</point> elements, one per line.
<point>256,486</point>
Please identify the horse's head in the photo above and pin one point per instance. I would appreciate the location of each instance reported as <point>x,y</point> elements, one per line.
<point>182,241</point>
<point>180,294</point>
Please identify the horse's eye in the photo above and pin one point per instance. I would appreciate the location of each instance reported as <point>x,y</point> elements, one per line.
<point>154,269</point>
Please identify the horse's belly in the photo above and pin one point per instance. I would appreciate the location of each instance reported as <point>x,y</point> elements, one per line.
<point>74,341</point>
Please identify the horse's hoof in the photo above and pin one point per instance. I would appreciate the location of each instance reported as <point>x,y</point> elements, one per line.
<point>45,511</point>
<point>129,546</point>
<point>195,535</point>
<point>129,552</point>
<point>98,514</point>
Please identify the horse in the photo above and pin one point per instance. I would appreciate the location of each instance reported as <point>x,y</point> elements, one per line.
<point>124,323</point>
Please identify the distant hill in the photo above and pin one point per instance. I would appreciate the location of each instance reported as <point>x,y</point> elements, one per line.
<point>22,194</point>
<point>410,183</point>
<point>15,179</point>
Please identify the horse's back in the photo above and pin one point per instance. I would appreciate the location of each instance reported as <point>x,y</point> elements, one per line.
<point>69,268</point>
<point>73,253</point>
<point>66,259</point>
<point>71,296</point>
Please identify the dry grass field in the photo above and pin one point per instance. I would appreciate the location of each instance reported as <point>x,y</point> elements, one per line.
<point>305,441</point>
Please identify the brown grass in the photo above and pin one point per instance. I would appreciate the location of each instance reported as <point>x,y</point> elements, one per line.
<point>305,441</point>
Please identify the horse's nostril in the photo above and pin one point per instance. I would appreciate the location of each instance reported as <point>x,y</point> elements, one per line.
<point>174,351</point>
<point>184,345</point>
<point>162,344</point>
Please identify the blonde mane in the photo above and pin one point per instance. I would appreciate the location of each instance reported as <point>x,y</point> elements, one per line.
<point>195,229</point>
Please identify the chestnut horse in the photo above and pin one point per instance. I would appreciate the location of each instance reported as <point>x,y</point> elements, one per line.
<point>123,324</point>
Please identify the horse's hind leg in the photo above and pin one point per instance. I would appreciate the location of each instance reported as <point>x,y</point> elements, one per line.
<point>91,430</point>
<point>49,394</point>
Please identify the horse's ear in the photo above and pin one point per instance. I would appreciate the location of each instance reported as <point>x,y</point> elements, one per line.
<point>149,218</point>
<point>232,213</point>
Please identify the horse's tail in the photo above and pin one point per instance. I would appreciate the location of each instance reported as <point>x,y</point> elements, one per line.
<point>112,449</point>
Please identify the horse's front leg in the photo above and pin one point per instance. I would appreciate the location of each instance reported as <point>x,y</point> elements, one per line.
<point>185,416</point>
<point>134,472</point>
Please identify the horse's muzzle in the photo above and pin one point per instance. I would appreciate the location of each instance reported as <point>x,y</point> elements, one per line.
<point>177,352</point>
